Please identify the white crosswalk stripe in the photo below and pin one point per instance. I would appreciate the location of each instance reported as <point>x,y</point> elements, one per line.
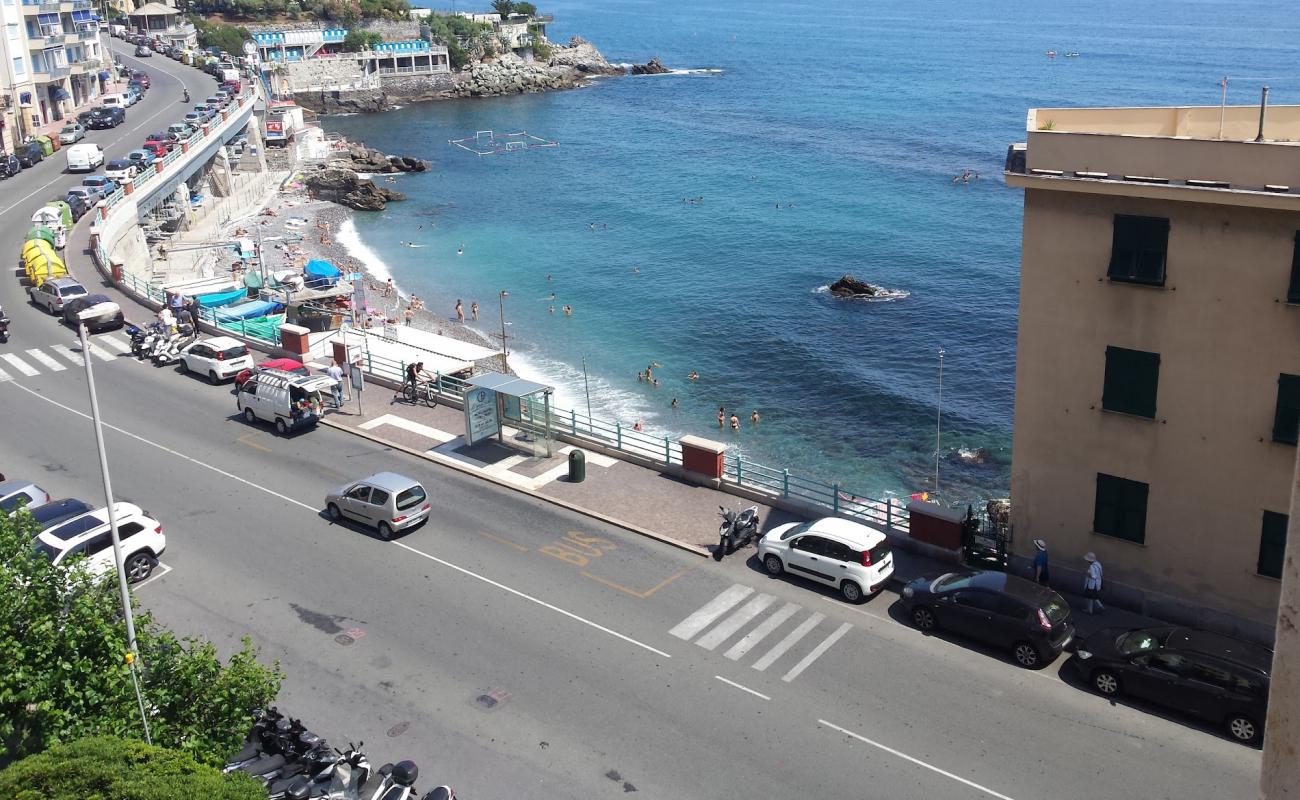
<point>20,365</point>
<point>5,376</point>
<point>733,610</point>
<point>68,353</point>
<point>112,342</point>
<point>49,363</point>
<point>99,352</point>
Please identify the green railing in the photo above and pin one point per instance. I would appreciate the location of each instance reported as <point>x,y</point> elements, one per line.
<point>890,513</point>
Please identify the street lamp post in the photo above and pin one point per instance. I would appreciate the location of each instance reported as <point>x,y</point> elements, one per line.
<point>505,348</point>
<point>938,422</point>
<point>112,518</point>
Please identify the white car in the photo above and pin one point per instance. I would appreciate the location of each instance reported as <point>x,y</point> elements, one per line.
<point>89,535</point>
<point>119,170</point>
<point>849,556</point>
<point>220,358</point>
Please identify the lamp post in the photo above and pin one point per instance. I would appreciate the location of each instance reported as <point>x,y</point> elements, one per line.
<point>112,517</point>
<point>587,388</point>
<point>938,419</point>
<point>505,349</point>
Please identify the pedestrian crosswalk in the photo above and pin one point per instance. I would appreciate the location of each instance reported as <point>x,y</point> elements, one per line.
<point>35,361</point>
<point>736,607</point>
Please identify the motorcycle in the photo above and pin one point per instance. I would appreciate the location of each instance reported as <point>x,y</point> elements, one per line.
<point>4,326</point>
<point>142,339</point>
<point>186,97</point>
<point>169,351</point>
<point>736,530</point>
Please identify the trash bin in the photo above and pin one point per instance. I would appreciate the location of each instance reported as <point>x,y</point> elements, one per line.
<point>577,466</point>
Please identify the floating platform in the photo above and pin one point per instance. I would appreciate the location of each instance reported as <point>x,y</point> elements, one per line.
<point>490,143</point>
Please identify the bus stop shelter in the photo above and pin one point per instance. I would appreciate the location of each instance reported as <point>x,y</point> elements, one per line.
<point>493,400</point>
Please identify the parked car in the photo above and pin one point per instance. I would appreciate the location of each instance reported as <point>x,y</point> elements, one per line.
<point>219,357</point>
<point>1003,610</point>
<point>85,157</point>
<point>195,119</point>
<point>56,511</point>
<point>291,402</point>
<point>72,133</point>
<point>54,293</point>
<point>83,119</point>
<point>89,535</point>
<point>106,117</point>
<point>21,494</point>
<point>29,154</point>
<point>77,205</point>
<point>102,314</point>
<point>179,131</point>
<point>88,195</point>
<point>132,95</point>
<point>141,78</point>
<point>139,88</point>
<point>288,365</point>
<point>143,51</point>
<point>852,558</point>
<point>120,170</point>
<point>159,149</point>
<point>160,139</point>
<point>103,183</point>
<point>388,501</point>
<point>9,165</point>
<point>141,159</point>
<point>1222,680</point>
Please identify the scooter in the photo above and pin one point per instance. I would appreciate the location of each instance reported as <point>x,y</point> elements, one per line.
<point>142,339</point>
<point>4,326</point>
<point>186,97</point>
<point>441,793</point>
<point>736,530</point>
<point>337,779</point>
<point>395,782</point>
<point>170,350</point>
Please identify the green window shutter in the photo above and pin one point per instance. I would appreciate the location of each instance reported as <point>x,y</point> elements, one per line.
<point>1286,419</point>
<point>1293,291</point>
<point>1121,508</point>
<point>1131,381</point>
<point>1139,246</point>
<point>1272,544</point>
<point>1134,508</point>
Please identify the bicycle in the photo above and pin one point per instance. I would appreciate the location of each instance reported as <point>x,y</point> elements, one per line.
<point>424,390</point>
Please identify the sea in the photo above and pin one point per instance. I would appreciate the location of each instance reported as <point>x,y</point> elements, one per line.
<point>694,220</point>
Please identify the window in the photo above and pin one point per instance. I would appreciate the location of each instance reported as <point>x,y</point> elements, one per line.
<point>810,544</point>
<point>1286,419</point>
<point>840,551</point>
<point>1169,662</point>
<point>1138,249</point>
<point>99,544</point>
<point>361,493</point>
<point>378,497</point>
<point>410,498</point>
<point>128,530</point>
<point>1121,508</point>
<point>1272,544</point>
<point>1293,291</point>
<point>19,67</point>
<point>11,504</point>
<point>1131,380</point>
<point>71,530</point>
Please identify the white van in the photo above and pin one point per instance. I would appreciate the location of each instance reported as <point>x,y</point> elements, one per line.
<point>113,101</point>
<point>289,401</point>
<point>85,157</point>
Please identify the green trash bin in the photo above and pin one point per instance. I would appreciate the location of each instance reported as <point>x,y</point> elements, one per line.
<point>577,466</point>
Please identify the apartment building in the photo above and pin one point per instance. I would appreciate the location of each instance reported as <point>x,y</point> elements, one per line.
<point>1158,362</point>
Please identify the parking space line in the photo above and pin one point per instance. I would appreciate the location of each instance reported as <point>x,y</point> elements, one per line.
<point>915,761</point>
<point>162,570</point>
<point>742,688</point>
<point>816,652</point>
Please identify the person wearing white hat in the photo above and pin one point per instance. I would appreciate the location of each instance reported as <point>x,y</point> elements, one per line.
<point>1092,584</point>
<point>1040,562</point>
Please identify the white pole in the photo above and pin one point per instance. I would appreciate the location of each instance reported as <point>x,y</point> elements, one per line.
<point>587,387</point>
<point>938,419</point>
<point>1223,103</point>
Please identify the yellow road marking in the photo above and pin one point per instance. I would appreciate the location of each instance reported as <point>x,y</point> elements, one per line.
<point>245,440</point>
<point>500,540</point>
<point>642,595</point>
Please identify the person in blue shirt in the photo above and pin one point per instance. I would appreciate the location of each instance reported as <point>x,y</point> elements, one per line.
<point>1040,562</point>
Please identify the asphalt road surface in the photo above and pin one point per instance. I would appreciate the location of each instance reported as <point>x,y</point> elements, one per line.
<point>518,650</point>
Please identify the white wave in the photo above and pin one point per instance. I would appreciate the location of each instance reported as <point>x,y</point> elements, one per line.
<point>695,71</point>
<point>342,114</point>
<point>370,261</point>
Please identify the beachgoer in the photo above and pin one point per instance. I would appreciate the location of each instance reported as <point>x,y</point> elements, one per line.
<point>735,422</point>
<point>636,270</point>
<point>674,404</point>
<point>551,309</point>
<point>655,382</point>
<point>606,226</point>
<point>461,251</point>
<point>388,288</point>
<point>638,426</point>
<point>408,313</point>
<point>591,226</point>
<point>568,311</point>
<point>722,416</point>
<point>549,278</point>
<point>640,377</point>
<point>753,417</point>
<point>473,311</point>
<point>167,319</point>
<point>552,297</point>
<point>460,312</point>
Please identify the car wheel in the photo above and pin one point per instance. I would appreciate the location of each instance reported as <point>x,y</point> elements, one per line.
<point>1027,655</point>
<point>924,619</point>
<point>385,531</point>
<point>773,565</point>
<point>280,427</point>
<point>212,377</point>
<point>1106,683</point>
<point>334,512</point>
<point>1243,729</point>
<point>139,567</point>
<point>249,416</point>
<point>851,592</point>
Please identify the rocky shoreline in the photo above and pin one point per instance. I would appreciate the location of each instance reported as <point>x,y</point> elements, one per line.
<point>340,178</point>
<point>568,67</point>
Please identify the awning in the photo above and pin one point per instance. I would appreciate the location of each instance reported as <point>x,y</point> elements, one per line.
<point>61,94</point>
<point>25,97</point>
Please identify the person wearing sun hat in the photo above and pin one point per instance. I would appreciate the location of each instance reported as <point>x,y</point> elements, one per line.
<point>1092,584</point>
<point>1040,562</point>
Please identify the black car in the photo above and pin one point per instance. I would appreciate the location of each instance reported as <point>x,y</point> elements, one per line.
<point>83,119</point>
<point>107,314</point>
<point>29,154</point>
<point>77,205</point>
<point>9,165</point>
<point>104,117</point>
<point>1003,610</point>
<point>56,511</point>
<point>1217,678</point>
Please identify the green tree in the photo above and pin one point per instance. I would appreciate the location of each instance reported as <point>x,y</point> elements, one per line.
<point>503,7</point>
<point>358,40</point>
<point>63,642</point>
<point>525,8</point>
<point>230,38</point>
<point>108,767</point>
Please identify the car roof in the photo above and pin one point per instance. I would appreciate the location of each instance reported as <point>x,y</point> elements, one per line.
<point>1220,646</point>
<point>65,281</point>
<point>9,487</point>
<point>60,510</point>
<point>123,510</point>
<point>96,299</point>
<point>221,341</point>
<point>852,532</point>
<point>1002,583</point>
<point>391,481</point>
<point>281,363</point>
<point>120,162</point>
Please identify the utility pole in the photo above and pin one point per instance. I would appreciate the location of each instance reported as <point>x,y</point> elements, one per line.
<point>586,387</point>
<point>938,420</point>
<point>1223,103</point>
<point>505,348</point>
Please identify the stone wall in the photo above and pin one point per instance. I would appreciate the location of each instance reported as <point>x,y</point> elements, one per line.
<point>318,72</point>
<point>393,30</point>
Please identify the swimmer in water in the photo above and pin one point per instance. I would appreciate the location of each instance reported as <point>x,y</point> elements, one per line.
<point>461,251</point>
<point>636,270</point>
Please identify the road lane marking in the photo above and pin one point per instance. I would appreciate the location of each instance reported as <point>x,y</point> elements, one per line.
<point>742,688</point>
<point>531,599</point>
<point>45,360</point>
<point>701,619</point>
<point>501,540</point>
<point>68,353</point>
<point>762,631</point>
<point>20,365</point>
<point>738,619</point>
<point>246,440</point>
<point>408,425</point>
<point>915,761</point>
<point>789,641</point>
<point>816,652</point>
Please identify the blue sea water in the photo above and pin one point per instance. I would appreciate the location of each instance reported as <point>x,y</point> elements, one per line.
<point>854,117</point>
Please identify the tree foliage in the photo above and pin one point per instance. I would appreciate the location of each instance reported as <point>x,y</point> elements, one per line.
<point>525,8</point>
<point>63,646</point>
<point>358,40</point>
<point>120,769</point>
<point>340,11</point>
<point>230,38</point>
<point>464,38</point>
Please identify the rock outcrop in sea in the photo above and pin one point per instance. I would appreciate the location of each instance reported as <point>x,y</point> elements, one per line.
<point>651,67</point>
<point>849,286</point>
<point>345,187</point>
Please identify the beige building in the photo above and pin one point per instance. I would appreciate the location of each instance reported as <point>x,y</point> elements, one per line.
<point>1158,363</point>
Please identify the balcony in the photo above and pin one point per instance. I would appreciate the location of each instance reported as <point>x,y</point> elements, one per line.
<point>49,74</point>
<point>49,8</point>
<point>88,34</point>
<point>82,5</point>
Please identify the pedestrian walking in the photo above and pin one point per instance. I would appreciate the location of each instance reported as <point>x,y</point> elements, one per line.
<point>336,374</point>
<point>460,312</point>
<point>1040,562</point>
<point>473,311</point>
<point>1092,585</point>
<point>408,314</point>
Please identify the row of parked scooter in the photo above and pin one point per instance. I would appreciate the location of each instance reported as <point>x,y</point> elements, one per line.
<point>296,764</point>
<point>159,344</point>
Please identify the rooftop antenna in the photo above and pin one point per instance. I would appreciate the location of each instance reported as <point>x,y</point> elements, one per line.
<point>1263,107</point>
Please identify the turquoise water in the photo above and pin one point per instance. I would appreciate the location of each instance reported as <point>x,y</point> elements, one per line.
<point>854,118</point>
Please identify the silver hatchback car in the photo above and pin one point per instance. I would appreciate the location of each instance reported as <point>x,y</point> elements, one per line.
<point>21,494</point>
<point>388,501</point>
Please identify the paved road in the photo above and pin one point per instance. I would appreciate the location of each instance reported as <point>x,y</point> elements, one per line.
<point>519,650</point>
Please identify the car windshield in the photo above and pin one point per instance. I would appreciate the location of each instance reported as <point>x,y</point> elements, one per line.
<point>1135,642</point>
<point>410,498</point>
<point>1056,608</point>
<point>68,129</point>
